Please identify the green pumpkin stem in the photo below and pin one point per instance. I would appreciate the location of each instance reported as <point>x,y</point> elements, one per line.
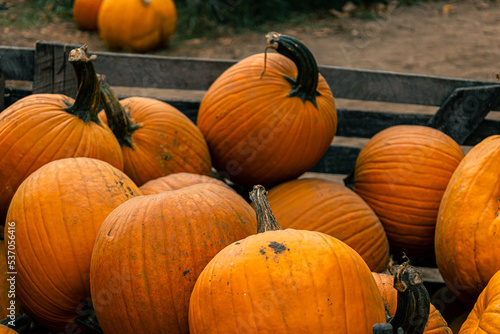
<point>413,302</point>
<point>265,217</point>
<point>306,84</point>
<point>118,120</point>
<point>88,98</point>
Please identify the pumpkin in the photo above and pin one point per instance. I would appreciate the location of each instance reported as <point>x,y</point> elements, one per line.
<point>44,127</point>
<point>329,207</point>
<point>6,330</point>
<point>137,25</point>
<point>269,120</point>
<point>402,173</point>
<point>177,181</point>
<point>55,215</point>
<point>436,324</point>
<point>156,138</point>
<point>285,281</point>
<point>466,241</point>
<point>485,316</point>
<point>150,251</point>
<point>85,13</point>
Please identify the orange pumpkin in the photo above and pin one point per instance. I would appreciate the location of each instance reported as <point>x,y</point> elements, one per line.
<point>6,330</point>
<point>328,207</point>
<point>150,251</point>
<point>435,324</point>
<point>85,13</point>
<point>137,25</point>
<point>44,127</point>
<point>55,215</point>
<point>269,127</point>
<point>156,138</point>
<point>177,181</point>
<point>466,243</point>
<point>285,281</point>
<point>402,173</point>
<point>485,316</point>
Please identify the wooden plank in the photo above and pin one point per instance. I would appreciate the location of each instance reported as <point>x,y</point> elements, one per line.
<point>13,95</point>
<point>131,70</point>
<point>464,110</point>
<point>337,160</point>
<point>485,129</point>
<point>2,87</point>
<point>17,62</point>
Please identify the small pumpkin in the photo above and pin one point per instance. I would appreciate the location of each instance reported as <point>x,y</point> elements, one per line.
<point>269,119</point>
<point>329,207</point>
<point>150,251</point>
<point>285,281</point>
<point>402,173</point>
<point>466,243</point>
<point>436,324</point>
<point>137,25</point>
<point>57,212</point>
<point>41,128</point>
<point>85,13</point>
<point>7,330</point>
<point>485,316</point>
<point>156,139</point>
<point>177,181</point>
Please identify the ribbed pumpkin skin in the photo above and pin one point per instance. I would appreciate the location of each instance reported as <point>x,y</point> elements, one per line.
<point>58,211</point>
<point>467,246</point>
<point>288,281</point>
<point>176,181</point>
<point>329,207</point>
<point>85,13</point>
<point>435,324</point>
<point>6,330</point>
<point>256,134</point>
<point>36,130</point>
<point>167,142</point>
<point>137,25</point>
<point>150,251</point>
<point>402,173</point>
<point>485,316</point>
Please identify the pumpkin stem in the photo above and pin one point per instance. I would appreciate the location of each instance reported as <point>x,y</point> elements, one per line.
<point>413,303</point>
<point>306,84</point>
<point>21,323</point>
<point>88,98</point>
<point>265,217</point>
<point>118,120</point>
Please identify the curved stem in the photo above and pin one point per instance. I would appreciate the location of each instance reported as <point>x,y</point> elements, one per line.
<point>265,217</point>
<point>306,84</point>
<point>413,303</point>
<point>88,98</point>
<point>118,120</point>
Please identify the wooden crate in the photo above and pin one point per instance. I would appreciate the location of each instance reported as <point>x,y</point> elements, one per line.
<point>463,109</point>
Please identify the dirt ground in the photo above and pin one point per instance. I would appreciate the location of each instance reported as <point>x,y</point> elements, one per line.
<point>455,39</point>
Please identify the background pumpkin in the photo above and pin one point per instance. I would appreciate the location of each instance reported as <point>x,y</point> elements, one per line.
<point>85,13</point>
<point>285,281</point>
<point>156,139</point>
<point>467,246</point>
<point>177,181</point>
<point>328,207</point>
<point>485,316</point>
<point>137,25</point>
<point>44,127</point>
<point>269,129</point>
<point>6,330</point>
<point>57,212</point>
<point>150,251</point>
<point>436,324</point>
<point>402,173</point>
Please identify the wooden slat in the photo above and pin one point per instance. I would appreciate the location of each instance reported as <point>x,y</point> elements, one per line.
<point>17,63</point>
<point>464,110</point>
<point>131,70</point>
<point>337,160</point>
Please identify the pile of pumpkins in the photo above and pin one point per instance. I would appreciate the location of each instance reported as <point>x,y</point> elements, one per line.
<point>129,210</point>
<point>130,25</point>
